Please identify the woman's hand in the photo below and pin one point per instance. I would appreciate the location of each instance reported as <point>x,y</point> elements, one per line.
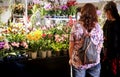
<point>75,64</point>
<point>70,62</point>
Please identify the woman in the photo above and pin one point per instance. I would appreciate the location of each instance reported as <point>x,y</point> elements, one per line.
<point>89,21</point>
<point>111,30</point>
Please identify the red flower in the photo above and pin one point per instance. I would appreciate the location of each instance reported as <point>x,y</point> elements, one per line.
<point>71,3</point>
<point>43,35</point>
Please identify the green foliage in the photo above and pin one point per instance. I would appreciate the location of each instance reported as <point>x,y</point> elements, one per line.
<point>72,10</point>
<point>13,37</point>
<point>43,12</point>
<point>57,46</point>
<point>34,46</point>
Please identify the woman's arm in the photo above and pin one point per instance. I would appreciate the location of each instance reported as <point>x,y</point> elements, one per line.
<point>71,45</point>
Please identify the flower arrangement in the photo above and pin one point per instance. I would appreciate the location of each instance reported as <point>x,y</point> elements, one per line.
<point>34,40</point>
<point>56,46</point>
<point>15,33</point>
<point>54,38</point>
<point>46,42</point>
<point>13,41</point>
<point>48,9</point>
<point>72,7</point>
<point>15,49</point>
<point>52,9</point>
<point>60,40</point>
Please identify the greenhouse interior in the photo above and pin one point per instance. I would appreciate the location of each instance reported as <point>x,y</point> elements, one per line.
<point>34,35</point>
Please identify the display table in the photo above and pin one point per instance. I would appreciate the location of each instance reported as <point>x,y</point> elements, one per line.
<point>48,67</point>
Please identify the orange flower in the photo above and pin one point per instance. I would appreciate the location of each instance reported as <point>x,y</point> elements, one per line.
<point>34,38</point>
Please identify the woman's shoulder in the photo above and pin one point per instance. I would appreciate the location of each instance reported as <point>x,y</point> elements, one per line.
<point>98,26</point>
<point>97,29</point>
<point>77,27</point>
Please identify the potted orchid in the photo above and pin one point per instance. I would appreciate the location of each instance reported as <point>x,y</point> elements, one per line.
<point>15,41</point>
<point>15,35</point>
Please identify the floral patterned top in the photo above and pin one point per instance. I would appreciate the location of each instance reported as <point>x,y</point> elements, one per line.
<point>96,36</point>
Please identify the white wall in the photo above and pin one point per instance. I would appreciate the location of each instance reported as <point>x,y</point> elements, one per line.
<point>4,3</point>
<point>5,16</point>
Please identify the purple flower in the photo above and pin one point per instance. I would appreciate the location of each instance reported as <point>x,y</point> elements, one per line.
<point>2,45</point>
<point>64,7</point>
<point>48,6</point>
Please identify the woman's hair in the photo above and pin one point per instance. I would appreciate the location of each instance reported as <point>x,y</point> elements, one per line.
<point>89,16</point>
<point>78,9</point>
<point>111,6</point>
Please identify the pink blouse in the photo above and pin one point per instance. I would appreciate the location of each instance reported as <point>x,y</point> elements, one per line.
<point>96,36</point>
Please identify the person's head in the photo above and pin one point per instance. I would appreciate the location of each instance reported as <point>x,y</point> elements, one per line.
<point>88,16</point>
<point>111,11</point>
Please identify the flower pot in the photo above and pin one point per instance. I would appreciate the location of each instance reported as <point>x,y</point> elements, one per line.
<point>43,54</point>
<point>49,53</point>
<point>33,55</point>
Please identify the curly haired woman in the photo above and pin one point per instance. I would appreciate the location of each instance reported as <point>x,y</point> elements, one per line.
<point>89,21</point>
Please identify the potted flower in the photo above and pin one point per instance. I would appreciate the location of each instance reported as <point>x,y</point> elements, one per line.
<point>34,41</point>
<point>46,44</point>
<point>15,34</point>
<point>57,47</point>
<point>15,43</point>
